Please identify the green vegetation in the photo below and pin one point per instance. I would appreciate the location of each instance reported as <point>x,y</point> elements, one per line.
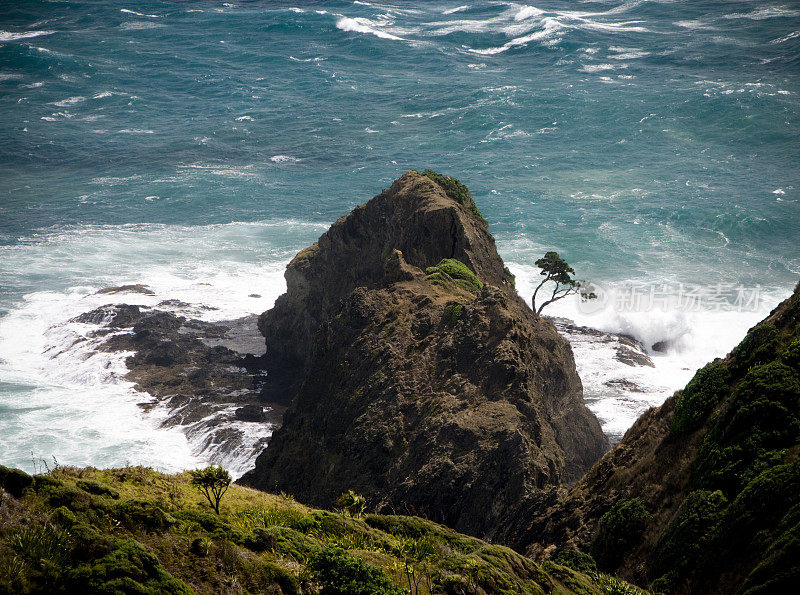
<point>213,482</point>
<point>134,530</point>
<point>457,191</point>
<point>708,387</point>
<point>619,530</point>
<point>755,432</point>
<point>452,312</point>
<point>686,538</point>
<point>576,560</point>
<point>453,271</point>
<point>352,503</point>
<point>344,574</point>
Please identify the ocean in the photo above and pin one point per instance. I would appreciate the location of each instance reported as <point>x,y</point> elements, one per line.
<point>196,146</point>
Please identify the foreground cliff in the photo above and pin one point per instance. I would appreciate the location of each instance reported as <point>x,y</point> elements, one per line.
<point>419,377</point>
<point>703,493</point>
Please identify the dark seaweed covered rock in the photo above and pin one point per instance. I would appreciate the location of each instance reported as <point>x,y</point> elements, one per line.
<point>420,378</point>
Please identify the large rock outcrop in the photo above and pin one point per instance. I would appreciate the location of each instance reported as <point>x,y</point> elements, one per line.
<point>702,495</point>
<point>429,390</point>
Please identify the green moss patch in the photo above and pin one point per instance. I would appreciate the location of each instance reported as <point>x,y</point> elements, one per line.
<point>453,271</point>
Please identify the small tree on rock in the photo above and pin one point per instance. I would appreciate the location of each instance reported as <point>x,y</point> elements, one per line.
<point>213,482</point>
<point>556,270</point>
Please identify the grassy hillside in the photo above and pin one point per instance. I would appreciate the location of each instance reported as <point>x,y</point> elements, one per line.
<point>134,530</point>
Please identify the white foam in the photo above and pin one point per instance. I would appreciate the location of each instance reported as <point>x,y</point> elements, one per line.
<point>766,12</point>
<point>527,12</point>
<point>139,14</point>
<point>363,25</point>
<point>11,36</point>
<point>787,37</point>
<point>600,67</point>
<point>550,28</point>
<point>456,9</point>
<point>70,101</point>
<point>693,338</point>
<point>140,25</point>
<point>71,401</point>
<point>283,159</point>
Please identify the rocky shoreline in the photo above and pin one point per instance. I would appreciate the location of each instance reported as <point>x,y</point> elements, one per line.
<point>203,377</point>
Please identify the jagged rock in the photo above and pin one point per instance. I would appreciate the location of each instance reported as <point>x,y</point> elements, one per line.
<point>196,369</point>
<point>411,389</point>
<point>137,288</point>
<point>414,216</point>
<point>111,316</point>
<point>250,413</point>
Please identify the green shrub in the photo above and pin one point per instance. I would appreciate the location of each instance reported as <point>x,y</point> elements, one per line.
<point>65,495</point>
<point>208,521</point>
<point>761,505</point>
<point>452,312</point>
<point>618,531</point>
<point>709,385</point>
<point>758,347</point>
<point>64,517</point>
<point>14,481</point>
<point>282,540</point>
<point>684,541</point>
<point>779,571</point>
<point>455,271</point>
<point>791,357</point>
<point>257,576</point>
<point>576,560</point>
<point>339,573</point>
<point>754,433</point>
<point>128,568</point>
<point>144,515</point>
<point>98,489</point>
<point>352,503</point>
<point>457,191</point>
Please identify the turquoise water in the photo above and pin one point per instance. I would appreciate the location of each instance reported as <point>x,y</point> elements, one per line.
<point>196,146</point>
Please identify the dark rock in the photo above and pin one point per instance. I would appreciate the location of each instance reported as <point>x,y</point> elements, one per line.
<point>661,346</point>
<point>137,288</point>
<point>250,413</point>
<point>625,385</point>
<point>112,316</point>
<point>455,417</point>
<point>633,357</point>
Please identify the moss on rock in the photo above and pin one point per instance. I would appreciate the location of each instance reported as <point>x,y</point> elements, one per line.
<point>451,270</point>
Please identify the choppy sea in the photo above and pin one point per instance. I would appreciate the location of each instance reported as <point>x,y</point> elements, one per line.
<point>195,146</point>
